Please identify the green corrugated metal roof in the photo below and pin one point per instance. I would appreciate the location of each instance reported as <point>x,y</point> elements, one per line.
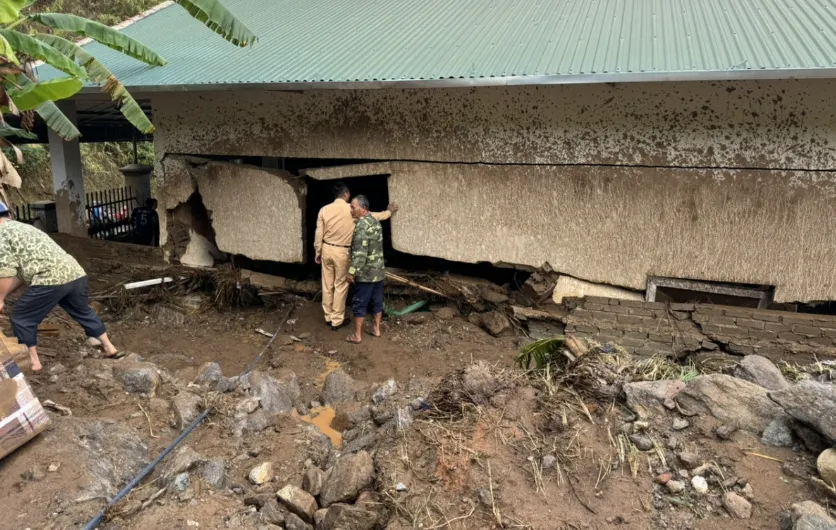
<point>478,42</point>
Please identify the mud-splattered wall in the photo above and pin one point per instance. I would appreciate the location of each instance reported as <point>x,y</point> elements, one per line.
<point>786,124</point>
<point>607,183</point>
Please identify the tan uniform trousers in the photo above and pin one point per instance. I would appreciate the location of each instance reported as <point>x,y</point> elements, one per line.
<point>334,283</point>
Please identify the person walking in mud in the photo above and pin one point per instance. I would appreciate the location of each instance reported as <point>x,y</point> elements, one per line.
<point>367,269</point>
<point>29,256</point>
<point>332,242</point>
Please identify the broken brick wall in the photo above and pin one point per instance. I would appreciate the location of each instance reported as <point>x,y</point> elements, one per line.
<point>659,329</point>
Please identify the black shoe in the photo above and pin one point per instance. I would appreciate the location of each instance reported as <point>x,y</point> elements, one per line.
<point>344,324</point>
<point>328,323</point>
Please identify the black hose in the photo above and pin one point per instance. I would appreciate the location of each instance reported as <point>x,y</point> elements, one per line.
<point>96,521</point>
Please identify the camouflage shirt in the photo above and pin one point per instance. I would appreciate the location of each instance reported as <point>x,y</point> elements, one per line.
<point>34,257</point>
<point>367,251</point>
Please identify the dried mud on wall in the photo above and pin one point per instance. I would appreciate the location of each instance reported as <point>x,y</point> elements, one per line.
<point>775,124</point>
<point>620,225</point>
<point>255,212</point>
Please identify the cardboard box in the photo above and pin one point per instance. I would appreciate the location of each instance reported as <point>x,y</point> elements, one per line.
<point>21,415</point>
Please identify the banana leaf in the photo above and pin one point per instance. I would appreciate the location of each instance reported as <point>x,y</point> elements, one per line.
<point>220,20</point>
<point>10,10</point>
<point>26,45</point>
<point>34,95</point>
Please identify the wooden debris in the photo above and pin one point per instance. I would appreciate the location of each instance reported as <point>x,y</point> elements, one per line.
<point>65,411</point>
<point>527,313</point>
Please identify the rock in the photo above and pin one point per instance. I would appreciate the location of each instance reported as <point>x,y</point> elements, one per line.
<point>181,482</point>
<point>92,342</point>
<point>688,459</point>
<point>339,387</point>
<point>271,512</point>
<point>642,443</point>
<point>312,480</point>
<point>647,397</point>
<point>747,492</point>
<point>708,468</point>
<point>495,323</point>
<point>700,485</point>
<point>261,473</point>
<point>680,424</point>
<point>725,431</point>
<point>347,517</point>
<point>298,501</point>
<point>227,384</point>
<point>53,467</point>
<point>808,515</point>
<point>419,404</point>
<point>479,382</point>
<point>548,462</point>
<point>737,506</point>
<point>185,459</point>
<point>169,316</point>
<point>137,377</point>
<point>384,391</point>
<point>208,373</point>
<point>761,371</point>
<point>446,313</point>
<point>57,369</point>
<point>826,464</point>
<point>349,414</point>
<point>675,486</point>
<point>275,396</point>
<point>302,409</point>
<point>214,473</point>
<point>294,522</point>
<point>186,407</point>
<point>358,444</point>
<point>730,400</point>
<point>663,479</point>
<point>811,403</point>
<point>246,406</point>
<point>812,440</point>
<point>351,474</point>
<point>403,418</point>
<point>259,421</point>
<point>777,434</point>
<point>259,500</point>
<point>383,413</point>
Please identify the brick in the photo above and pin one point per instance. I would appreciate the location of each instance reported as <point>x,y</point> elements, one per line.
<point>596,300</point>
<point>819,341</point>
<point>709,309</point>
<point>777,328</point>
<point>682,307</point>
<point>582,314</point>
<point>750,323</point>
<point>665,338</point>
<point>660,313</point>
<point>609,336</point>
<point>829,332</point>
<point>631,320</point>
<point>594,307</point>
<point>635,335</point>
<point>741,349</point>
<point>641,312</point>
<point>617,309</point>
<point>766,315</point>
<point>721,329</point>
<point>725,321</point>
<point>633,303</point>
<point>762,335</point>
<point>690,343</point>
<point>569,328</point>
<point>653,352</point>
<point>587,329</point>
<point>792,337</point>
<point>600,316</point>
<point>825,319</point>
<point>615,301</point>
<point>634,343</point>
<point>792,319</point>
<point>809,331</point>
<point>738,312</point>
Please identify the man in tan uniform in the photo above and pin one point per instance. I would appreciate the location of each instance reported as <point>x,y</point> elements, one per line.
<point>332,242</point>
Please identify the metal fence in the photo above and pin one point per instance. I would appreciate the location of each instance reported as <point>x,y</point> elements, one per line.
<point>25,214</point>
<point>109,214</point>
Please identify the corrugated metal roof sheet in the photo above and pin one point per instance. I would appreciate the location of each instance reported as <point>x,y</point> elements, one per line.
<point>478,42</point>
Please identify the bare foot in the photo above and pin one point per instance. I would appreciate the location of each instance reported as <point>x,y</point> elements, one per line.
<point>354,339</point>
<point>36,367</point>
<point>374,332</point>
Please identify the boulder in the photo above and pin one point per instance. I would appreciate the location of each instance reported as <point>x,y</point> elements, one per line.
<point>298,501</point>
<point>261,473</point>
<point>647,397</point>
<point>312,480</point>
<point>351,474</point>
<point>494,323</point>
<point>446,313</point>
<point>479,382</point>
<point>777,434</point>
<point>259,421</point>
<point>272,513</point>
<point>347,517</point>
<point>809,515</point>
<point>812,440</point>
<point>730,400</point>
<point>208,373</point>
<point>384,391</point>
<point>294,522</point>
<point>811,403</point>
<point>761,371</point>
<point>275,396</point>
<point>826,464</point>
<point>214,473</point>
<point>359,443</point>
<point>185,459</point>
<point>737,506</point>
<point>339,387</point>
<point>137,377</point>
<point>186,407</point>
<point>349,414</point>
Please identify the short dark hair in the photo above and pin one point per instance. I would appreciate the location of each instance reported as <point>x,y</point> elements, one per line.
<point>362,201</point>
<point>340,189</point>
<point>151,202</point>
<point>6,215</point>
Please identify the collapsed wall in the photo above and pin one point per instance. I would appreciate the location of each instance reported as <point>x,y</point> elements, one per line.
<point>658,329</point>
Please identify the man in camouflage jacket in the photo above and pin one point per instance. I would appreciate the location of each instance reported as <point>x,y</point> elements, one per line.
<point>367,269</point>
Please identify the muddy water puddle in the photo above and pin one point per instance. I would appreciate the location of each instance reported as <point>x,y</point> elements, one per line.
<point>321,418</point>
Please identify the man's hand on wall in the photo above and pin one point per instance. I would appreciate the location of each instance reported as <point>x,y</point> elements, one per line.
<point>393,207</point>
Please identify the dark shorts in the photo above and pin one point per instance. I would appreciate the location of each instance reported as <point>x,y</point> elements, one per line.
<point>366,294</point>
<point>39,300</point>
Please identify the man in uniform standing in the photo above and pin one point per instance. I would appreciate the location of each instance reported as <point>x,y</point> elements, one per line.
<point>367,269</point>
<point>146,223</point>
<point>332,241</point>
<point>28,255</point>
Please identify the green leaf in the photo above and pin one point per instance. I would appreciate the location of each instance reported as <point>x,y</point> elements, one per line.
<point>36,94</point>
<point>101,34</point>
<point>7,131</point>
<point>539,352</point>
<point>220,20</point>
<point>57,121</point>
<point>99,73</point>
<point>10,10</point>
<point>26,45</point>
<point>7,51</point>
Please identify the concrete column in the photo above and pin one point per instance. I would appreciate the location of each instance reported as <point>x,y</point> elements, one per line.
<point>138,179</point>
<point>67,178</point>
